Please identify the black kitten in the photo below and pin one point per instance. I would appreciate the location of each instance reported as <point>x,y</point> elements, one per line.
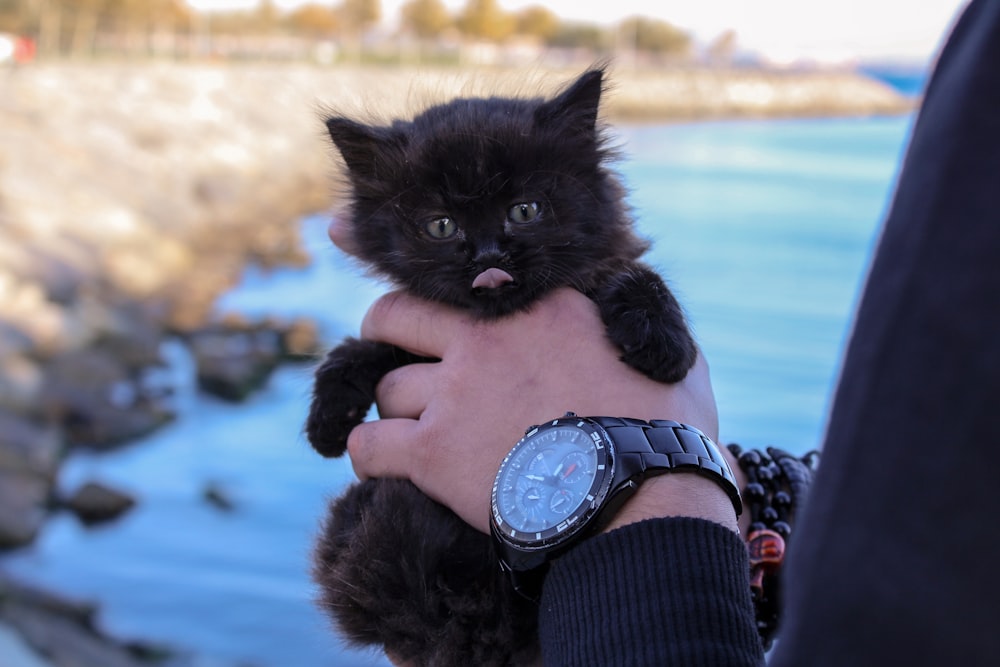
<point>486,205</point>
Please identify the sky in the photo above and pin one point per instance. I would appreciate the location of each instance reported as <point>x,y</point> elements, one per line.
<point>783,30</point>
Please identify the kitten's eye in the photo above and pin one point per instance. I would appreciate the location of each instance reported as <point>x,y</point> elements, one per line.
<point>524,212</point>
<point>441,228</point>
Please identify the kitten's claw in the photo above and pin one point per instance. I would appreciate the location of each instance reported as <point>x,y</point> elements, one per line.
<point>344,391</point>
<point>645,321</point>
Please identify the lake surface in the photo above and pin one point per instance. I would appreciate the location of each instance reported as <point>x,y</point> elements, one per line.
<point>764,230</point>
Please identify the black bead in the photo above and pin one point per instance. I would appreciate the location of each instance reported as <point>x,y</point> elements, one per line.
<point>757,525</point>
<point>751,457</point>
<point>754,491</point>
<point>765,474</point>
<point>781,499</point>
<point>782,528</point>
<point>769,515</point>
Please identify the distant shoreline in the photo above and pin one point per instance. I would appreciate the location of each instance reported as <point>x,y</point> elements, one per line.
<point>648,94</point>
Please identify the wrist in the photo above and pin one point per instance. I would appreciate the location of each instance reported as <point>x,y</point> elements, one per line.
<point>687,495</point>
<point>677,495</point>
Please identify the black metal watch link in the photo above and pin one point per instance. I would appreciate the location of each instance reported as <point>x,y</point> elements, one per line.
<point>662,445</point>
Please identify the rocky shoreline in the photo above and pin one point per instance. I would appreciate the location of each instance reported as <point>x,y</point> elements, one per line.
<point>132,196</point>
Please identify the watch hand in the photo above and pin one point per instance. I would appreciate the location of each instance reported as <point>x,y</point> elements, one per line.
<point>569,470</point>
<point>535,478</point>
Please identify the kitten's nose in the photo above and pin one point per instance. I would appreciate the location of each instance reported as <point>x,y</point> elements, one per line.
<point>489,255</point>
<point>489,259</point>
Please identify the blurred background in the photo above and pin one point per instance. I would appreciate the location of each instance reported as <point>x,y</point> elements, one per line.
<point>166,282</point>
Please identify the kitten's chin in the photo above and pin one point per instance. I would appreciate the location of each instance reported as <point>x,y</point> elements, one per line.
<point>499,302</point>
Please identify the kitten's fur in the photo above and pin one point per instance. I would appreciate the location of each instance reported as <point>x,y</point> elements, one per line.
<point>396,569</point>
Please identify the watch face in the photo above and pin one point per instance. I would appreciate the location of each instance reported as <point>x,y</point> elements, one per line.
<point>550,481</point>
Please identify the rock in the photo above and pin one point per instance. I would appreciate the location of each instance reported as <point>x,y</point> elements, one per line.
<point>130,199</point>
<point>96,503</point>
<point>27,313</point>
<point>698,94</point>
<point>235,357</point>
<point>66,632</point>
<point>98,400</point>
<point>16,651</point>
<point>215,496</point>
<point>28,447</point>
<point>29,459</point>
<point>232,364</point>
<point>300,340</point>
<point>21,380</point>
<point>23,503</point>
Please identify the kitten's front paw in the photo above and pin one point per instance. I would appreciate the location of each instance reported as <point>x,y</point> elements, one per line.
<point>646,322</point>
<point>344,391</point>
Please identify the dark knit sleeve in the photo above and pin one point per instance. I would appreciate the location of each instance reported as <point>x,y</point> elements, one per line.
<point>660,592</point>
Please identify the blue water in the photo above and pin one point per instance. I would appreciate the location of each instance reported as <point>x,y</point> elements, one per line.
<point>763,229</point>
<point>908,80</point>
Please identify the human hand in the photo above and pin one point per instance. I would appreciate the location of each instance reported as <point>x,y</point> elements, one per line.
<point>446,426</point>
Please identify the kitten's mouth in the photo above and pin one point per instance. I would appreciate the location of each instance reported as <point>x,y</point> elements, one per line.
<point>492,278</point>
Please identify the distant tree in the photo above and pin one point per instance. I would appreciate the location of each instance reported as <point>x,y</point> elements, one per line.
<point>173,13</point>
<point>9,8</point>
<point>14,16</point>
<point>265,17</point>
<point>73,26</point>
<point>655,36</point>
<point>359,15</point>
<point>425,18</point>
<point>538,21</point>
<point>123,16</point>
<point>87,15</point>
<point>722,50</point>
<point>314,20</point>
<point>485,20</point>
<point>169,18</point>
<point>587,36</point>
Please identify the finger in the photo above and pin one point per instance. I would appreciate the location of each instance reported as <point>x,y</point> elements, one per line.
<point>339,232</point>
<point>702,397</point>
<point>404,392</point>
<point>380,448</point>
<point>419,326</point>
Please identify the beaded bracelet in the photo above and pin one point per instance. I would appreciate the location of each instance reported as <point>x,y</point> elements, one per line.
<point>777,484</point>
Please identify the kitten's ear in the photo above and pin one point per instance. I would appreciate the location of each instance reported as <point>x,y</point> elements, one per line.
<point>361,146</point>
<point>577,106</point>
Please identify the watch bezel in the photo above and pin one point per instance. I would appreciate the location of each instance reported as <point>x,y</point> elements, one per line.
<point>527,544</point>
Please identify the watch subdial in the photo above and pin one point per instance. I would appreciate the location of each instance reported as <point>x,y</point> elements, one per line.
<point>573,468</point>
<point>562,502</point>
<point>530,501</point>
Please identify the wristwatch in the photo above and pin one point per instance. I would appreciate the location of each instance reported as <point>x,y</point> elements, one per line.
<point>566,478</point>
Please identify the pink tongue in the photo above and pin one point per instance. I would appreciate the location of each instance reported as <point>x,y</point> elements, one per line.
<point>492,278</point>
